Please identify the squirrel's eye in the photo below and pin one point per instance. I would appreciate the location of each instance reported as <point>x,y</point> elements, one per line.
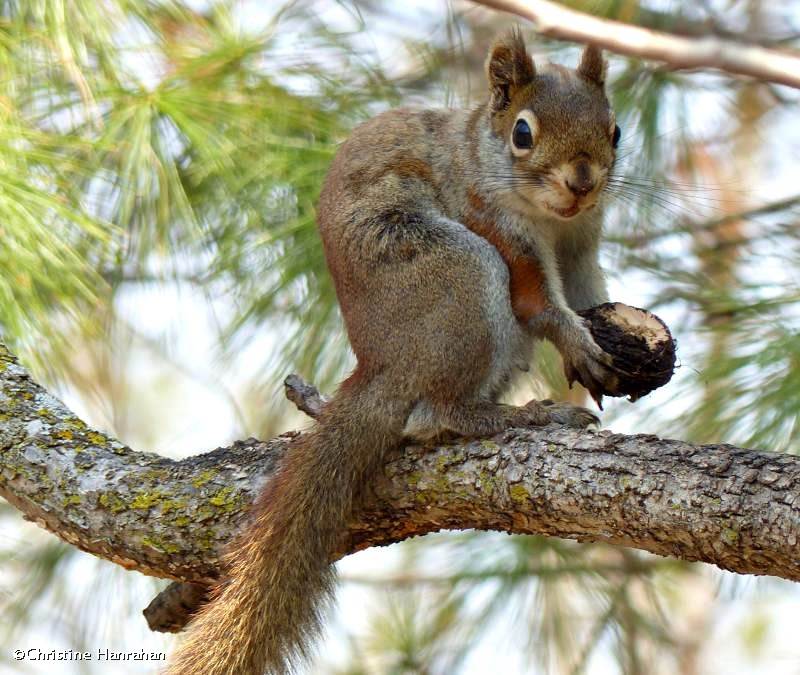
<point>615,137</point>
<point>522,136</point>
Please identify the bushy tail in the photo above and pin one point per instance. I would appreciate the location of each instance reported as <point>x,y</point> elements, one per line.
<point>267,615</point>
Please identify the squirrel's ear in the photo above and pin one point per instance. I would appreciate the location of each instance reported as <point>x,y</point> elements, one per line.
<point>593,66</point>
<point>508,67</point>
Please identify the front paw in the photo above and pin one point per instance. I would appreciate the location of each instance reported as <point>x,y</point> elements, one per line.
<point>586,363</point>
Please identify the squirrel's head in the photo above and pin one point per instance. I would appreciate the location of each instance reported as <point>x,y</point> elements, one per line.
<point>556,125</point>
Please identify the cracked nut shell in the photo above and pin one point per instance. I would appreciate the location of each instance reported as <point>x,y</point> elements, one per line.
<point>640,345</point>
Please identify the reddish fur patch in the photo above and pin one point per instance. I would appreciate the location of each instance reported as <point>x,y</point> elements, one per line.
<point>357,377</point>
<point>402,165</point>
<point>527,283</point>
<point>528,296</point>
<point>412,167</point>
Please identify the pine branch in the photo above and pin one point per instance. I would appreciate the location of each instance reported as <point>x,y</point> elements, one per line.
<point>733,507</point>
<point>678,52</point>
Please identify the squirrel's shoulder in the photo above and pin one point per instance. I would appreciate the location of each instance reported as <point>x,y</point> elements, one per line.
<point>401,142</point>
<point>409,129</point>
<point>405,121</point>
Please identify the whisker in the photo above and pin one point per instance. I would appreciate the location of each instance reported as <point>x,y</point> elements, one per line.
<point>694,196</point>
<point>670,185</point>
<point>666,202</point>
<point>672,200</point>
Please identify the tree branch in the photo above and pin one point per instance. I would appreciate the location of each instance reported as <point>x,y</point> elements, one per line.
<point>735,57</point>
<point>736,508</point>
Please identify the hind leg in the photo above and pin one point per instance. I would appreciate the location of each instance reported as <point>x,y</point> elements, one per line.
<point>485,418</point>
<point>438,326</point>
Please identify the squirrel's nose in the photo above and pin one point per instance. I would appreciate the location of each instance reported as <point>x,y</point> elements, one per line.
<point>581,183</point>
<point>581,188</point>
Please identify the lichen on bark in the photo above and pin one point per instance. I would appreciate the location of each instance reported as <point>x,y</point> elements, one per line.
<point>733,507</point>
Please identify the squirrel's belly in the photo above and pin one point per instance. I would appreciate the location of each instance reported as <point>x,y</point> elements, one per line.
<point>510,347</point>
<point>510,355</point>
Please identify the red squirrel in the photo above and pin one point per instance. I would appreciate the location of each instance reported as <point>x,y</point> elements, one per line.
<point>455,239</point>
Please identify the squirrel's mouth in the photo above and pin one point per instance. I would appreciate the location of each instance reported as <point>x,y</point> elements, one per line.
<point>568,212</point>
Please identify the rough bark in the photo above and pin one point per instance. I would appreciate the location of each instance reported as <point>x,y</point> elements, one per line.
<point>733,507</point>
